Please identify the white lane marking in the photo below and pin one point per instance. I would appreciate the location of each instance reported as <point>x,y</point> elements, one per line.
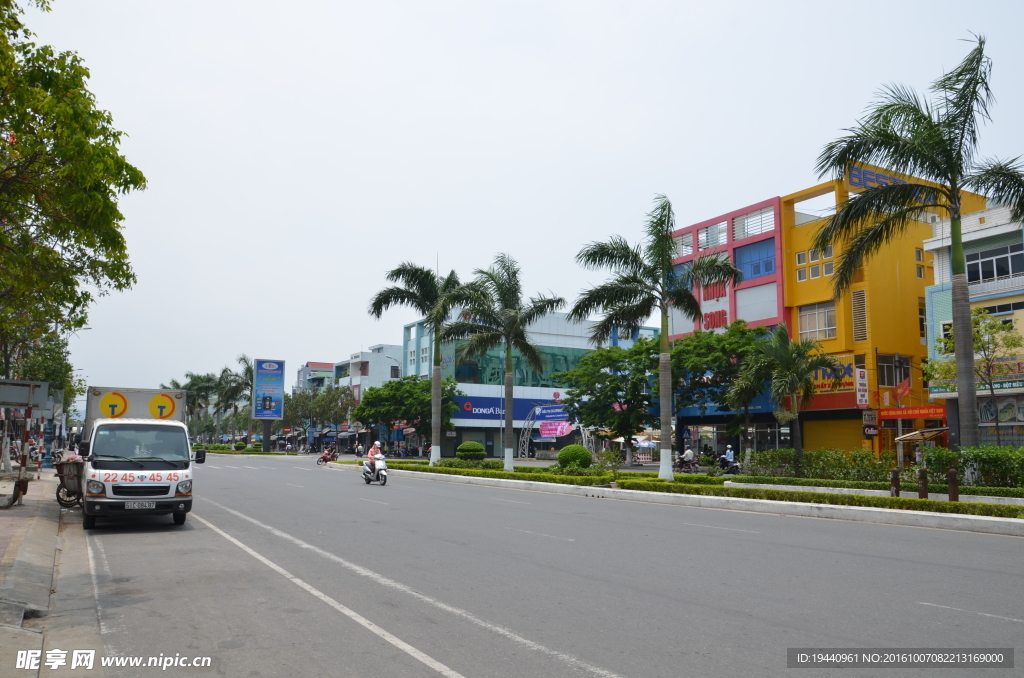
<point>226,466</point>
<point>293,484</point>
<point>254,468</point>
<point>510,501</point>
<point>269,467</point>
<point>351,614</point>
<point>216,467</point>
<point>374,501</point>
<point>303,469</point>
<point>96,588</point>
<point>539,534</point>
<point>983,614</point>
<point>398,586</point>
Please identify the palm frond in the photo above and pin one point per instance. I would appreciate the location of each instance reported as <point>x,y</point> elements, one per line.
<point>658,244</point>
<point>623,289</point>
<point>966,98</point>
<point>614,254</point>
<point>480,343</point>
<point>684,299</point>
<point>539,307</point>
<point>1003,181</point>
<point>630,317</point>
<point>531,356</point>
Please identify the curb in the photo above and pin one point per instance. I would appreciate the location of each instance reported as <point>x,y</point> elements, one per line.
<point>945,521</point>
<point>971,498</point>
<point>30,578</point>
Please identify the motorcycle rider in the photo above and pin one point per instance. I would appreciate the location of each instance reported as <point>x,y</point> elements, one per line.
<point>371,457</point>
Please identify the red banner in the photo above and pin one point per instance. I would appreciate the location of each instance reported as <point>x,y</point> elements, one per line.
<point>920,412</point>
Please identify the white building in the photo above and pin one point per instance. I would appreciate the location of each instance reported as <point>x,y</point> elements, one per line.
<point>367,369</point>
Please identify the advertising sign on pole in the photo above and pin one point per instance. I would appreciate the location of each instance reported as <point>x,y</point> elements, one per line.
<point>268,389</point>
<point>869,417</point>
<point>860,381</point>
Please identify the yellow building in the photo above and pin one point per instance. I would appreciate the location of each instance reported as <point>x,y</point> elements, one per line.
<point>879,325</point>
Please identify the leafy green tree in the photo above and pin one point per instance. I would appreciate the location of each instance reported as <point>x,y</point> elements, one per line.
<point>298,410</point>
<point>996,341</point>
<point>707,363</point>
<point>936,141</point>
<point>61,176</point>
<point>332,405</point>
<point>49,360</point>
<point>433,297</point>
<point>610,389</point>
<point>790,368</point>
<point>497,315</point>
<point>408,399</point>
<point>645,282</point>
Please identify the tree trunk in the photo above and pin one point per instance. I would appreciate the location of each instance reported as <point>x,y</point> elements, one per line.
<point>629,453</point>
<point>963,349</point>
<point>665,398</point>
<point>509,401</point>
<point>435,405</point>
<point>797,438</point>
<point>992,392</point>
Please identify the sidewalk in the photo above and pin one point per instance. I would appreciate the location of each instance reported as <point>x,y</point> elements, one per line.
<point>28,546</point>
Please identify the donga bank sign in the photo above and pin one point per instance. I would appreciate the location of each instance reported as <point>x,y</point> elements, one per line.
<point>493,408</point>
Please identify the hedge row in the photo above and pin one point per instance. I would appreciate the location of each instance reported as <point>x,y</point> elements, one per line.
<point>869,485</point>
<point>269,454</point>
<point>506,475</point>
<point>930,505</point>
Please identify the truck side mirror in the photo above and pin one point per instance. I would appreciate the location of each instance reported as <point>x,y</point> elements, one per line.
<point>83,449</point>
<point>200,456</point>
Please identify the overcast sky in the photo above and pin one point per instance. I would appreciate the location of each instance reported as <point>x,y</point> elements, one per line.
<point>296,151</point>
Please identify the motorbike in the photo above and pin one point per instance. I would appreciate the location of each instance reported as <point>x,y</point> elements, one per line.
<point>687,466</point>
<point>328,455</point>
<point>380,472</point>
<point>729,467</point>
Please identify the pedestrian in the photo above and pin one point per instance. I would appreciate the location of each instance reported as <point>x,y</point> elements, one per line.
<point>359,450</point>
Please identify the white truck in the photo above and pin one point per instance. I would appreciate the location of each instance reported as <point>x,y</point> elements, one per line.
<point>138,460</point>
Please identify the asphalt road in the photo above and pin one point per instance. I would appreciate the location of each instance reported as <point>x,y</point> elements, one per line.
<point>287,569</point>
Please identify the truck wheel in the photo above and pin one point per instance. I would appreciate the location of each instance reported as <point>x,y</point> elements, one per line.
<point>88,522</point>
<point>179,518</point>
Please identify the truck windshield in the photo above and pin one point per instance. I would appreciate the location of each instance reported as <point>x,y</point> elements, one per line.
<point>131,441</point>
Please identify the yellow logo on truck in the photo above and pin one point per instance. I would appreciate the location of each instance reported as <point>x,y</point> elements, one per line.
<point>162,406</point>
<point>113,405</point>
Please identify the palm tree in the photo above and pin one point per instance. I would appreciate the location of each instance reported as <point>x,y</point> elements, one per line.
<point>645,281</point>
<point>432,297</point>
<point>495,314</point>
<point>790,368</point>
<point>199,391</point>
<point>938,142</point>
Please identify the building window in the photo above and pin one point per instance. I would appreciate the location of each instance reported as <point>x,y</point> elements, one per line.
<point>684,244</point>
<point>998,262</point>
<point>888,373</point>
<point>922,319</point>
<point>918,255</point>
<point>424,354</point>
<point>801,258</point>
<point>1005,308</point>
<point>827,254</point>
<point>753,223</point>
<point>756,259</point>
<point>395,372</point>
<point>815,254</point>
<point>711,236</point>
<point>801,274</point>
<point>828,268</point>
<point>816,271</point>
<point>859,310</point>
<point>818,321</point>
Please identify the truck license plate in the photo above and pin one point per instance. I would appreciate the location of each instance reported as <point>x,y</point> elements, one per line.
<point>140,504</point>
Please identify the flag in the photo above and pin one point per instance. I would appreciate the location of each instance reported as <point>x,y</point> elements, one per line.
<point>902,389</point>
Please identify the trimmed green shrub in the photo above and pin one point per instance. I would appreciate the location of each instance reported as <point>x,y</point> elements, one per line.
<point>483,473</point>
<point>905,486</point>
<point>470,451</point>
<point>258,447</point>
<point>496,464</point>
<point>930,505</point>
<point>575,454</point>
<point>239,445</point>
<point>985,465</point>
<point>831,464</point>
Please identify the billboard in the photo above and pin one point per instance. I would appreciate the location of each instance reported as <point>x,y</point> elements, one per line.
<point>268,389</point>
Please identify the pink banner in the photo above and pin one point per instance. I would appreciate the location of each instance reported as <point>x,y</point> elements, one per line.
<point>555,429</point>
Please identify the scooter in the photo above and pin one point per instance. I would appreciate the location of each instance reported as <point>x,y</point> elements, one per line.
<point>328,455</point>
<point>380,472</point>
<point>688,466</point>
<point>729,467</point>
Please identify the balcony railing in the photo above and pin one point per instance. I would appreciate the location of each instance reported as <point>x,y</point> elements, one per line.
<point>1002,284</point>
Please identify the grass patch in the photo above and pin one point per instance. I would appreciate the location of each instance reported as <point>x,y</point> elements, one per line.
<point>906,504</point>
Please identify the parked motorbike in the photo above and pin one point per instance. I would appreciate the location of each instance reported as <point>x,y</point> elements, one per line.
<point>380,472</point>
<point>730,467</point>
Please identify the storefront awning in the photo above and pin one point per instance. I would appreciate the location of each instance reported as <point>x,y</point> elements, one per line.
<point>922,435</point>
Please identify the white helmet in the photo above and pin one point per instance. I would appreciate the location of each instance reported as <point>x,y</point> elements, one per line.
<point>376,443</point>
<point>728,447</point>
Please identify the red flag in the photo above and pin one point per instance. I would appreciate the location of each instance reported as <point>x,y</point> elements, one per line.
<point>902,389</point>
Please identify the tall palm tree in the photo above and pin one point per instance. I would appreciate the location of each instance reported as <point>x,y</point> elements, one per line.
<point>936,141</point>
<point>645,282</point>
<point>432,297</point>
<point>790,368</point>
<point>199,391</point>
<point>495,314</point>
<point>246,387</point>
